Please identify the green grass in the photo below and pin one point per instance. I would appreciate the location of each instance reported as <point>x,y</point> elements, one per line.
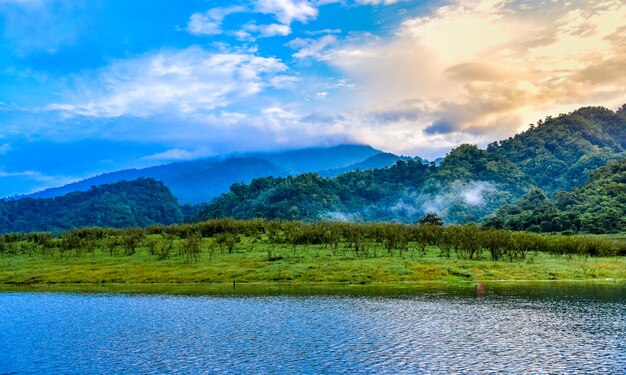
<point>310,265</point>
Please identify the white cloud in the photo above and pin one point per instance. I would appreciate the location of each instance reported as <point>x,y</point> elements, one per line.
<point>210,22</point>
<point>323,32</point>
<point>173,81</point>
<point>171,155</point>
<point>286,11</point>
<point>470,71</point>
<point>322,95</point>
<point>4,148</point>
<point>252,31</point>
<point>312,48</point>
<point>42,181</point>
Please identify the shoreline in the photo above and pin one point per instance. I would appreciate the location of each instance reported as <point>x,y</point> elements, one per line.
<point>309,288</point>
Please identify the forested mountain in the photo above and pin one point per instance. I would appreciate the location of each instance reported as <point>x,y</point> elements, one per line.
<point>141,202</point>
<point>559,152</point>
<point>467,185</point>
<point>200,181</point>
<point>599,206</point>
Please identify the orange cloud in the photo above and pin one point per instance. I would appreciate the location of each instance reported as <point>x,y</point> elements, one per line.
<point>489,66</point>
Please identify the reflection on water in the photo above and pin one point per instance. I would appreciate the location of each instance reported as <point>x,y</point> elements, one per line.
<point>516,330</point>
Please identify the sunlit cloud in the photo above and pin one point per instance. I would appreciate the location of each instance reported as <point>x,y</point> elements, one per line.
<point>466,71</point>
<point>486,67</point>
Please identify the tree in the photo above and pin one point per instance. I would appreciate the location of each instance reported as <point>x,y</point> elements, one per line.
<point>431,218</point>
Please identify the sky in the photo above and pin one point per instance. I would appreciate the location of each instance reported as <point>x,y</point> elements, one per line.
<point>93,86</point>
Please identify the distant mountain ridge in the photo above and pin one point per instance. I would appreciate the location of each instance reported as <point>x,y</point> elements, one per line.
<point>319,158</point>
<point>199,181</point>
<point>380,160</point>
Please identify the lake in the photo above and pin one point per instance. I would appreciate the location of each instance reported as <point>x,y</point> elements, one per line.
<point>508,329</point>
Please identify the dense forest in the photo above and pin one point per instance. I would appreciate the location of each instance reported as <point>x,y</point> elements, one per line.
<point>599,206</point>
<point>469,184</point>
<point>141,202</point>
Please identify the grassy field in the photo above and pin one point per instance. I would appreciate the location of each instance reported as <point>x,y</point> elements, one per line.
<point>256,261</point>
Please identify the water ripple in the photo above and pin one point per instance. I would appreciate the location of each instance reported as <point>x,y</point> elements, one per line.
<point>429,334</point>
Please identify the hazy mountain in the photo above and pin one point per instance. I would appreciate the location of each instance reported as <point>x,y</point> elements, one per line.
<point>320,158</point>
<point>380,160</point>
<point>201,180</point>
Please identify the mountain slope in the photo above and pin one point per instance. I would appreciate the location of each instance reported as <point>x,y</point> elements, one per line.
<point>559,152</point>
<point>124,204</point>
<point>191,182</point>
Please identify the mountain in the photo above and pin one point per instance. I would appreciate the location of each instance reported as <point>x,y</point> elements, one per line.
<point>380,160</point>
<point>319,158</point>
<point>191,182</point>
<point>559,152</point>
<point>467,185</point>
<point>201,180</point>
<point>141,202</point>
<point>598,206</point>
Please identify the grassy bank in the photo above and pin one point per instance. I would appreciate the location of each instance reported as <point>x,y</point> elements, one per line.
<point>253,262</point>
<point>221,252</point>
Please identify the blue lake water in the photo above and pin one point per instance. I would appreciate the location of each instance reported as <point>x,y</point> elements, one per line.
<point>540,330</point>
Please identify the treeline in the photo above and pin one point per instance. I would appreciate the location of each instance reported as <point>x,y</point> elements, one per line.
<point>141,202</point>
<point>555,155</point>
<point>599,206</point>
<point>369,240</point>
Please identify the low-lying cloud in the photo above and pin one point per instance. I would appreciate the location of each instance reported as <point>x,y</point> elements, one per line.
<point>471,194</point>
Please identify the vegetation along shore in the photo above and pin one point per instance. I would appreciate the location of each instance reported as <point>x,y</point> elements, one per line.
<point>257,251</point>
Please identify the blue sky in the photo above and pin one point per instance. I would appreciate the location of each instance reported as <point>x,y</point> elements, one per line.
<point>93,86</point>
